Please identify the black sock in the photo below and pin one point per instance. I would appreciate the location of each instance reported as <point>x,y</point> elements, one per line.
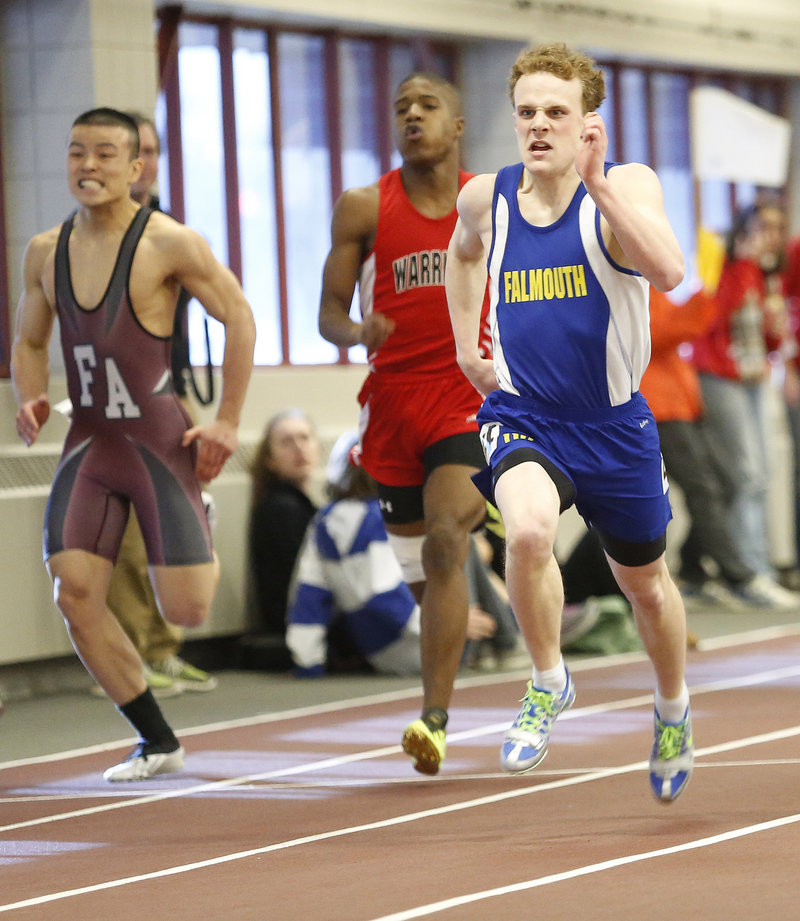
<point>434,718</point>
<point>144,714</point>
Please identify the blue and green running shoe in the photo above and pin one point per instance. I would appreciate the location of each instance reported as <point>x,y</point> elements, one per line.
<point>672,757</point>
<point>525,741</point>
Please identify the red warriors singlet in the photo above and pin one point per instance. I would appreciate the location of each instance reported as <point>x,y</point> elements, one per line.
<point>415,394</point>
<point>124,443</point>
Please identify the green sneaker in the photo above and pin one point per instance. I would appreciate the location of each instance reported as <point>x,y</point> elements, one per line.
<point>190,678</point>
<point>160,685</point>
<point>425,745</point>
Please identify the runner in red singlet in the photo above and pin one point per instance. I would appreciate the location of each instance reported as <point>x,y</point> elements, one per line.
<point>418,432</point>
<point>111,273</point>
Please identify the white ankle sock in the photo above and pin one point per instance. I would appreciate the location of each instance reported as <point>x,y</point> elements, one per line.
<point>672,711</point>
<point>551,679</point>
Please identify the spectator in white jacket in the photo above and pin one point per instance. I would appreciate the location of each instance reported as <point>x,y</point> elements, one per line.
<point>348,602</point>
<point>346,571</point>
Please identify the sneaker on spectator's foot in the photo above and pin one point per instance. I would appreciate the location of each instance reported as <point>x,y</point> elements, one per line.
<point>525,741</point>
<point>180,672</point>
<point>710,593</point>
<point>763,592</point>
<point>425,745</point>
<point>161,685</point>
<point>672,757</point>
<point>143,763</point>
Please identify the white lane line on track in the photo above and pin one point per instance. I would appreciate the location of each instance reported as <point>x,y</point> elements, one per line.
<point>339,760</point>
<point>762,634</point>
<point>372,782</point>
<point>579,665</point>
<point>335,706</point>
<point>403,820</point>
<point>424,911</point>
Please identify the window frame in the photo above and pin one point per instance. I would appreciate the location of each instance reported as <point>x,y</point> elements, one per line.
<point>5,307</point>
<point>426,54</point>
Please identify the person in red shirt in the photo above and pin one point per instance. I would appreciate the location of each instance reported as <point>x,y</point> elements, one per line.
<point>791,385</point>
<point>692,458</point>
<point>731,357</point>
<point>419,437</point>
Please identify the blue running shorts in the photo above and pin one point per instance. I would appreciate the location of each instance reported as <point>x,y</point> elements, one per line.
<point>607,461</point>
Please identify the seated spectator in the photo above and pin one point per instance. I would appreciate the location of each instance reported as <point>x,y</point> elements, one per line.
<point>282,473</point>
<point>493,637</point>
<point>349,605</point>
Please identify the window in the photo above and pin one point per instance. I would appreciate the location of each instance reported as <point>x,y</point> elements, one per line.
<point>202,162</point>
<point>260,276</point>
<point>265,126</point>
<point>5,313</point>
<point>668,115</point>
<point>647,118</point>
<point>358,119</point>
<point>307,200</point>
<point>306,115</point>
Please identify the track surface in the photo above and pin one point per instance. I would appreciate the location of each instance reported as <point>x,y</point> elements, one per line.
<point>317,815</point>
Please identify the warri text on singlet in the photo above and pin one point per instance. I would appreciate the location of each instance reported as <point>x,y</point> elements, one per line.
<point>418,270</point>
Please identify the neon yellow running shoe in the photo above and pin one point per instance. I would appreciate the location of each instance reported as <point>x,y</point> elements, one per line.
<point>189,677</point>
<point>425,745</point>
<point>160,684</point>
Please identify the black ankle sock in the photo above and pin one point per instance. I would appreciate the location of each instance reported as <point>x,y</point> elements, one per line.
<point>144,714</point>
<point>434,718</point>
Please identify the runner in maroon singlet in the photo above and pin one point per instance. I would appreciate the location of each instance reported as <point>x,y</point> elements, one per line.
<point>111,273</point>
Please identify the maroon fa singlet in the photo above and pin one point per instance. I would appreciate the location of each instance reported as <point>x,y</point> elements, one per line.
<point>124,443</point>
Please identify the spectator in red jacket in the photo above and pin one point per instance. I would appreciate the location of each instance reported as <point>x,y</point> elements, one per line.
<point>791,384</point>
<point>692,459</point>
<point>749,322</point>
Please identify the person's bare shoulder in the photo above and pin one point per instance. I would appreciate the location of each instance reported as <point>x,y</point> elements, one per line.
<point>635,178</point>
<point>44,243</point>
<point>355,215</point>
<point>479,188</point>
<point>475,199</point>
<point>171,243</point>
<point>164,227</point>
<point>39,260</point>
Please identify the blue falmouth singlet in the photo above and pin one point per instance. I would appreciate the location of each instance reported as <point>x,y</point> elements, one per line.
<point>570,327</point>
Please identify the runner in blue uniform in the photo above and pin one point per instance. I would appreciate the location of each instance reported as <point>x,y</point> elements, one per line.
<point>571,243</point>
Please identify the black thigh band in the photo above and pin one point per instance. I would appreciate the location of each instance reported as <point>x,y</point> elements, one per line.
<point>401,504</point>
<point>627,553</point>
<point>464,448</point>
<point>564,485</point>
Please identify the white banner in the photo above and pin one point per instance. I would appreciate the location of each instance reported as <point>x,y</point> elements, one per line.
<point>733,139</point>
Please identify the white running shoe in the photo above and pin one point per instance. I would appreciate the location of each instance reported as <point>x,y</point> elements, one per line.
<point>763,592</point>
<point>141,766</point>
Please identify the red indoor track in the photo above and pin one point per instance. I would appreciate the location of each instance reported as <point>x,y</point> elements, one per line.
<point>317,815</point>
